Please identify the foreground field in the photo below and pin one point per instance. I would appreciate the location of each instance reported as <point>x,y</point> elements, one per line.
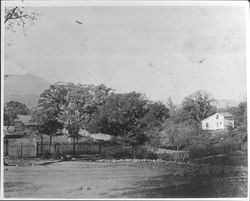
<point>221,176</point>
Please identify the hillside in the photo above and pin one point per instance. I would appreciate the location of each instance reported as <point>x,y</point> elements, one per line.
<point>24,88</point>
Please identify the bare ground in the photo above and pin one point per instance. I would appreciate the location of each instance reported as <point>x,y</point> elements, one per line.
<point>221,176</point>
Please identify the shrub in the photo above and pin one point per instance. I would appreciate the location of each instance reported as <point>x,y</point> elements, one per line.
<point>166,157</point>
<point>46,154</point>
<point>152,156</point>
<point>118,154</point>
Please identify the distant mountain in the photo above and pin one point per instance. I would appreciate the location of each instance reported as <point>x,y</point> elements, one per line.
<point>24,88</point>
<point>224,103</point>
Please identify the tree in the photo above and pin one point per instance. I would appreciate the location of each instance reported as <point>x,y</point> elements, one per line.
<point>197,106</point>
<point>182,135</point>
<point>120,115</point>
<point>100,92</point>
<point>240,115</point>
<point>72,104</point>
<point>55,98</point>
<point>12,109</point>
<point>155,114</point>
<point>48,124</point>
<point>76,112</point>
<point>82,102</point>
<point>172,108</point>
<point>51,106</point>
<point>19,16</point>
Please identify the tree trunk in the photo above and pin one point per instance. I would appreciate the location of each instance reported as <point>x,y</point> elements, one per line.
<point>41,151</point>
<point>185,155</point>
<point>50,143</point>
<point>74,145</point>
<point>177,147</point>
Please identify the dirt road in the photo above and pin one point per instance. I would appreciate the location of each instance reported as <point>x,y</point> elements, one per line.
<point>125,179</point>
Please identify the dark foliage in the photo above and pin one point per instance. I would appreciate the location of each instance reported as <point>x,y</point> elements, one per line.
<point>197,107</point>
<point>239,114</point>
<point>12,109</point>
<point>129,116</point>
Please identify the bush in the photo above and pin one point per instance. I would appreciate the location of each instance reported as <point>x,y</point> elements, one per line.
<point>66,157</point>
<point>166,157</point>
<point>118,154</point>
<point>152,156</point>
<point>46,154</point>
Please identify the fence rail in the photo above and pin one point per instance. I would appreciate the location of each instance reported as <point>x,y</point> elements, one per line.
<point>21,151</point>
<point>37,149</point>
<point>91,148</point>
<point>214,150</point>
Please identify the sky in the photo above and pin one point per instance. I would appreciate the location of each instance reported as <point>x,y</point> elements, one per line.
<point>160,51</point>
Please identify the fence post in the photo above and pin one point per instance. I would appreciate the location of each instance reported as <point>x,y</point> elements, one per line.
<point>76,147</point>
<point>99,148</point>
<point>55,152</point>
<point>21,150</point>
<point>7,147</point>
<point>37,149</point>
<point>41,147</point>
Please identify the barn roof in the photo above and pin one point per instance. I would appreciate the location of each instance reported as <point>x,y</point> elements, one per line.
<point>25,119</point>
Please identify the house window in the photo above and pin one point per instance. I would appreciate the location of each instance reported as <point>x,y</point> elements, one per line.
<point>217,116</point>
<point>207,125</point>
<point>220,122</point>
<point>217,124</point>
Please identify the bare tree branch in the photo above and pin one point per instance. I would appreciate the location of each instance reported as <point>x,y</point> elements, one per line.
<point>19,16</point>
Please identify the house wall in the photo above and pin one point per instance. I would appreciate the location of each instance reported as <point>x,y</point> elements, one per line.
<point>215,122</point>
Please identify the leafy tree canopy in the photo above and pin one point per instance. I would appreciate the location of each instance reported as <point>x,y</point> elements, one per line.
<point>120,115</point>
<point>156,113</point>
<point>12,109</point>
<point>129,116</point>
<point>70,105</point>
<point>197,106</point>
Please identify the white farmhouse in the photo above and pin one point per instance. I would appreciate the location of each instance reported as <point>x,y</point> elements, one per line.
<point>218,121</point>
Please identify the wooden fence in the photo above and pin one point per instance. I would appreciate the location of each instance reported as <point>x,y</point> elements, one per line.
<point>103,149</point>
<point>28,148</point>
<point>67,148</point>
<point>214,150</point>
<point>20,148</point>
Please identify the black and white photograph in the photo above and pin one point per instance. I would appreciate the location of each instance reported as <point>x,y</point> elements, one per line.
<point>124,100</point>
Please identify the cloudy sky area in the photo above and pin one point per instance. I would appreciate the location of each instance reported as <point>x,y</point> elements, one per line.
<point>157,50</point>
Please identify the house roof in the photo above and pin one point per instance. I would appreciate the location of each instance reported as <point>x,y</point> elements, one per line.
<point>226,114</point>
<point>25,119</point>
